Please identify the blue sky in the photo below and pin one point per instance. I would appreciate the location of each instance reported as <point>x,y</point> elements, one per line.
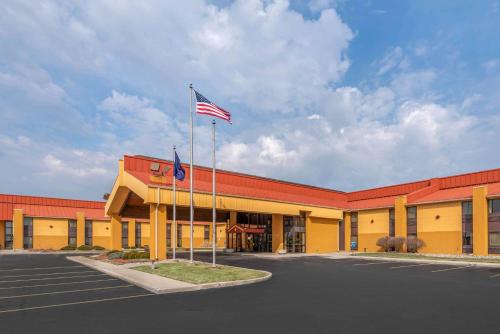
<point>341,94</point>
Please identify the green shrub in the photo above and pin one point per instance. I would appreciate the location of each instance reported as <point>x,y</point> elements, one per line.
<point>413,244</point>
<point>383,243</point>
<point>68,248</point>
<point>144,255</point>
<point>84,247</point>
<point>98,247</point>
<point>115,255</point>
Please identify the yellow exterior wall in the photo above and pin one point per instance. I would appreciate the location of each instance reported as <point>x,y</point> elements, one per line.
<point>480,220</point>
<point>322,235</point>
<point>145,228</point>
<point>131,233</point>
<point>2,234</point>
<point>400,216</point>
<point>277,233</point>
<point>101,234</point>
<point>17,226</point>
<point>50,233</point>
<point>221,235</point>
<point>441,235</point>
<point>372,225</point>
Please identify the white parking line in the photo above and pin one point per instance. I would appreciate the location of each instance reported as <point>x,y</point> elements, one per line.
<point>76,303</point>
<point>47,278</point>
<point>42,268</point>
<point>448,269</point>
<point>412,265</point>
<point>51,274</point>
<point>496,275</point>
<point>372,263</point>
<point>67,291</point>
<point>52,284</point>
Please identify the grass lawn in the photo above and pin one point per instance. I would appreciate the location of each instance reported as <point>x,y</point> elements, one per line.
<point>199,273</point>
<point>430,257</point>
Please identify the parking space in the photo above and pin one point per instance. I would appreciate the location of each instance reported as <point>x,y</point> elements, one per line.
<point>305,295</point>
<point>26,284</point>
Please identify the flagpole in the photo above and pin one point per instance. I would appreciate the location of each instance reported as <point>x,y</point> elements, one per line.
<point>174,221</point>
<point>191,172</point>
<point>214,213</point>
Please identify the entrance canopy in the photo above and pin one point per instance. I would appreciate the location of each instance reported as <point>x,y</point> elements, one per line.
<point>241,229</point>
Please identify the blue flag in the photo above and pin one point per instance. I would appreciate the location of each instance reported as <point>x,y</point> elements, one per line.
<point>179,172</point>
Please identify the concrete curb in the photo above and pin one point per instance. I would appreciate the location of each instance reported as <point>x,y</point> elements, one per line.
<point>154,283</point>
<point>445,262</point>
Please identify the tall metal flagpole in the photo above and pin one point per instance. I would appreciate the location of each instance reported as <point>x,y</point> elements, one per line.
<point>213,194</point>
<point>191,172</point>
<point>174,221</point>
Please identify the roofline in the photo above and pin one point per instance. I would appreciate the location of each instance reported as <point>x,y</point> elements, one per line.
<point>53,198</point>
<point>240,174</point>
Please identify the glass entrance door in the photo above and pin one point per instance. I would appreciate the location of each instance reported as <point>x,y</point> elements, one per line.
<point>294,234</point>
<point>9,238</point>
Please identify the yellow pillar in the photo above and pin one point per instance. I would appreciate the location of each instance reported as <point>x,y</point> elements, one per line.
<point>277,233</point>
<point>347,231</point>
<point>308,233</point>
<point>400,216</point>
<point>480,220</point>
<point>80,228</point>
<point>116,233</point>
<point>17,226</point>
<point>131,233</point>
<point>162,232</point>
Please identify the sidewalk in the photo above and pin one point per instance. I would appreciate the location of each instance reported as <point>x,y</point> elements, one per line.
<point>462,261</point>
<point>154,283</point>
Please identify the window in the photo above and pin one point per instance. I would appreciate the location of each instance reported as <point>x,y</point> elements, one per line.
<point>72,232</point>
<point>27,232</point>
<point>8,235</point>
<point>169,235</point>
<point>88,232</point>
<point>138,234</point>
<point>494,206</point>
<point>392,223</point>
<point>179,235</point>
<point>467,227</point>
<point>411,221</point>
<point>494,225</point>
<point>206,233</point>
<point>494,238</point>
<point>125,235</point>
<point>354,231</point>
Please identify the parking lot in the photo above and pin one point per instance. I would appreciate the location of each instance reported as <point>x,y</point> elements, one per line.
<point>47,293</point>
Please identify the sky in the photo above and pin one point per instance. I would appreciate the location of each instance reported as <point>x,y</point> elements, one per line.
<point>339,94</point>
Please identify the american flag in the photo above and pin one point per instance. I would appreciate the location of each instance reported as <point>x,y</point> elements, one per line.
<point>206,107</point>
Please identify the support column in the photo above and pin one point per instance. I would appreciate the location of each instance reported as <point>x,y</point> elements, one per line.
<point>17,226</point>
<point>232,218</point>
<point>480,220</point>
<point>277,232</point>
<point>347,231</point>
<point>80,229</point>
<point>162,232</point>
<point>116,233</point>
<point>131,233</point>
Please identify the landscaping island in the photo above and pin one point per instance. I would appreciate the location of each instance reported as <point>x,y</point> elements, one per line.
<point>201,273</point>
